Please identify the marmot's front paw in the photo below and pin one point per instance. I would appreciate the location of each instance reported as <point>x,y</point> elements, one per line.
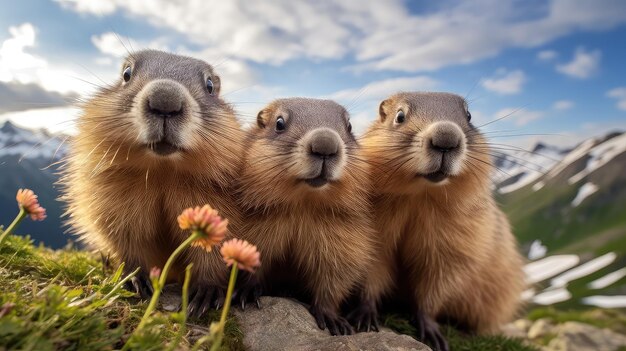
<point>141,285</point>
<point>428,332</point>
<point>327,318</point>
<point>202,297</point>
<point>364,318</point>
<point>249,290</point>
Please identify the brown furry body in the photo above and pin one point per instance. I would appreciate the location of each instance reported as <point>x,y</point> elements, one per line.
<point>123,199</point>
<point>446,247</point>
<point>316,240</point>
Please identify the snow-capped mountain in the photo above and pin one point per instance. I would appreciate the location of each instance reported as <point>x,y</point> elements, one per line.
<point>570,205</point>
<point>30,159</point>
<point>31,144</point>
<point>520,168</point>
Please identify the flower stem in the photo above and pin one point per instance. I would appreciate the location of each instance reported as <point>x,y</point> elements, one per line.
<point>185,298</point>
<point>229,294</point>
<point>13,225</point>
<point>157,289</point>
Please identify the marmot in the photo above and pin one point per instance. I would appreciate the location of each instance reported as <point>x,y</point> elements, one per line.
<point>445,245</point>
<point>304,194</point>
<point>158,140</point>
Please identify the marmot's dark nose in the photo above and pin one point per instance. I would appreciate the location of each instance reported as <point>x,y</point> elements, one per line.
<point>446,137</point>
<point>165,100</point>
<point>324,144</point>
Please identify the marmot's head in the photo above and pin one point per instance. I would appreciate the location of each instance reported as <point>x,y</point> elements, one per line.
<point>428,139</point>
<point>302,149</point>
<point>163,108</point>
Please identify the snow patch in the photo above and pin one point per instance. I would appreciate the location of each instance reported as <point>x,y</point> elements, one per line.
<point>618,301</point>
<point>32,144</point>
<point>538,186</point>
<point>528,166</point>
<point>583,270</point>
<point>601,155</point>
<point>548,267</point>
<point>608,279</point>
<point>537,250</point>
<point>573,156</point>
<point>552,296</point>
<point>585,191</point>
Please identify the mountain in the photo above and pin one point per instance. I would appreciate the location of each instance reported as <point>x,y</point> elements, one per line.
<point>29,159</point>
<point>570,204</point>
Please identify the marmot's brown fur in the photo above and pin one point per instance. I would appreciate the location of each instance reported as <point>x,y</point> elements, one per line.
<point>155,142</point>
<point>305,199</point>
<point>445,245</point>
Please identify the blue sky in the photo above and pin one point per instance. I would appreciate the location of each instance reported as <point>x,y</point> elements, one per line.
<point>560,64</point>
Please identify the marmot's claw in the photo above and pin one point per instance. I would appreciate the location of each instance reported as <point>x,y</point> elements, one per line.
<point>428,332</point>
<point>364,318</point>
<point>141,285</point>
<point>201,298</point>
<point>249,291</point>
<point>336,325</point>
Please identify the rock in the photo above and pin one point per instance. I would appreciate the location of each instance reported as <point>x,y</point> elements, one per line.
<point>285,324</point>
<point>523,324</point>
<point>513,331</point>
<point>517,329</point>
<point>575,336</point>
<point>540,328</point>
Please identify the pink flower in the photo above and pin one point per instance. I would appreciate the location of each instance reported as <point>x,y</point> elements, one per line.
<point>155,273</point>
<point>27,200</point>
<point>207,221</point>
<point>242,252</point>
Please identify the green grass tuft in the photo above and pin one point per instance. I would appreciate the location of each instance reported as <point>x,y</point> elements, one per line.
<point>66,300</point>
<point>459,341</point>
<point>601,318</point>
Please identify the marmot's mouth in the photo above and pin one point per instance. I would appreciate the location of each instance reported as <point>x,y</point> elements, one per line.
<point>436,177</point>
<point>318,181</point>
<point>163,148</point>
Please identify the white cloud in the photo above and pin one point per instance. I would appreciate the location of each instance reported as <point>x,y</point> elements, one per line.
<point>620,95</point>
<point>547,55</point>
<point>97,7</point>
<point>520,116</point>
<point>584,64</point>
<point>116,45</point>
<point>378,90</point>
<point>56,119</point>
<point>381,35</point>
<point>505,82</point>
<point>17,64</point>
<point>563,105</point>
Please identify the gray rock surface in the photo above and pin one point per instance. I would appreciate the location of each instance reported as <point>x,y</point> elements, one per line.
<point>284,324</point>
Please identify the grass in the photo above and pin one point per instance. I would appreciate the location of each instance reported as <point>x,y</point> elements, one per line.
<point>459,341</point>
<point>67,300</point>
<point>601,318</point>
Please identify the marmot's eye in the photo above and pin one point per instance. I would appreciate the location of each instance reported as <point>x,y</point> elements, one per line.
<point>469,116</point>
<point>127,73</point>
<point>349,127</point>
<point>400,117</point>
<point>209,85</point>
<point>280,124</point>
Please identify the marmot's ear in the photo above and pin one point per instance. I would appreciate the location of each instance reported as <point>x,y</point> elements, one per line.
<point>259,119</point>
<point>382,114</point>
